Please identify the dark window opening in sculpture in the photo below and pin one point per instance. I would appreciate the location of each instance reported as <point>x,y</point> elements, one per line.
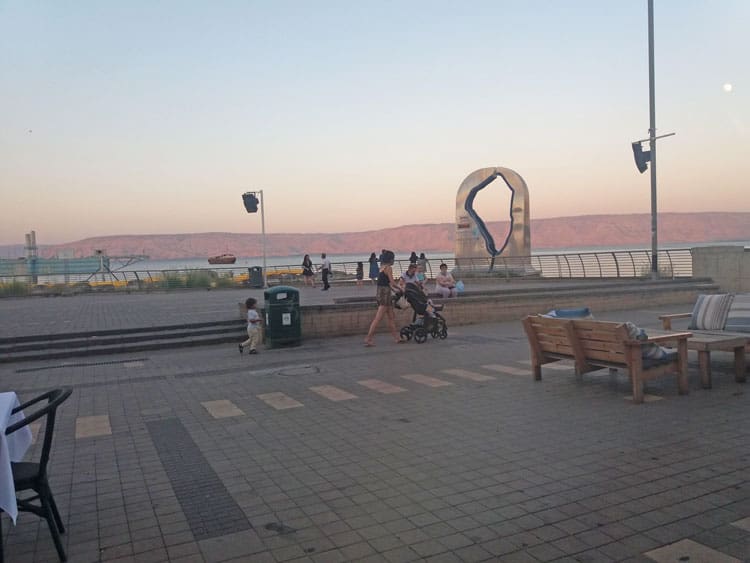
<point>484,232</point>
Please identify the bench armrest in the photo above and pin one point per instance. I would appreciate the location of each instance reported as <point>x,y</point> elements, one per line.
<point>671,337</point>
<point>674,336</point>
<point>666,320</point>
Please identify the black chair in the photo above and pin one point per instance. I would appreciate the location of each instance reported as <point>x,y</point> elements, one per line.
<point>33,476</point>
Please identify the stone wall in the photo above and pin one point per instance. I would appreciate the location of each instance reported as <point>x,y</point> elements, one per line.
<point>728,266</point>
<point>355,318</point>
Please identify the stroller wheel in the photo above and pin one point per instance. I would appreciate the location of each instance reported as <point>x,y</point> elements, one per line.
<point>420,335</point>
<point>438,328</point>
<point>443,334</point>
<point>406,333</point>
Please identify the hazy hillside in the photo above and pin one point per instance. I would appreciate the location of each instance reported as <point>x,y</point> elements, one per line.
<point>561,232</point>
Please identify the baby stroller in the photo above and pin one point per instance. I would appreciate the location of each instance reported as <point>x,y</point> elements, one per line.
<point>426,318</point>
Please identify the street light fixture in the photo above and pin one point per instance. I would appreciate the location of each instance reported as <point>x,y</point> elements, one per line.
<point>251,202</point>
<point>642,158</point>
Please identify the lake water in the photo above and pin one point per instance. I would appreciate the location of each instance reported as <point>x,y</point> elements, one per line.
<point>295,261</point>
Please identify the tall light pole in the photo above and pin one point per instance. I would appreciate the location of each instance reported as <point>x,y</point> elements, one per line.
<point>251,206</point>
<point>642,158</point>
<point>263,231</point>
<point>652,140</point>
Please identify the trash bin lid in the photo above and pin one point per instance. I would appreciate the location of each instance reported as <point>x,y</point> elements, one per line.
<point>281,293</point>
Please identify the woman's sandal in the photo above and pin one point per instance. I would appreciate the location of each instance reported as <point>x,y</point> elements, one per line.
<point>369,344</point>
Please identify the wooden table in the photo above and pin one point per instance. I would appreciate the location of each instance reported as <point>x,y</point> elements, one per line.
<point>705,342</point>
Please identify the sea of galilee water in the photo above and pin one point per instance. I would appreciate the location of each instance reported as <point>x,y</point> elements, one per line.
<point>243,263</point>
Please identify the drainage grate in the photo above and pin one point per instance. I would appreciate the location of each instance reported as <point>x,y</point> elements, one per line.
<point>299,370</point>
<point>81,365</point>
<point>209,508</point>
<point>481,339</point>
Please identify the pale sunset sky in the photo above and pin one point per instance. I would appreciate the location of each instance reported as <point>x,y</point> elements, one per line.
<point>143,117</point>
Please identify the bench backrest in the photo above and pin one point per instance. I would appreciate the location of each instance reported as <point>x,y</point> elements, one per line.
<point>578,338</point>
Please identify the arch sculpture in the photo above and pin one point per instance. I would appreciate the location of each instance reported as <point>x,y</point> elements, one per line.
<point>475,246</point>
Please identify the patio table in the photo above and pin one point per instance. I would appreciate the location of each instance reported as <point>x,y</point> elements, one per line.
<point>12,448</point>
<point>705,342</point>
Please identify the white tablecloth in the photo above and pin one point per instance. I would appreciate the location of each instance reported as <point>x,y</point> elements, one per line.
<point>12,448</point>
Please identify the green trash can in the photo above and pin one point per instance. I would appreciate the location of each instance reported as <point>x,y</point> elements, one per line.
<point>283,325</point>
<point>256,276</point>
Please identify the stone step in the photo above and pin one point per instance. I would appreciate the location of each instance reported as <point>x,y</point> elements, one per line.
<point>128,341</point>
<point>702,285</point>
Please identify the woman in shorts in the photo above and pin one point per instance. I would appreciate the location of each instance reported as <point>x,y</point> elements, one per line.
<point>385,283</point>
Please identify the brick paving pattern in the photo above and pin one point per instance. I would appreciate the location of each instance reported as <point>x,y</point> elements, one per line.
<point>492,467</point>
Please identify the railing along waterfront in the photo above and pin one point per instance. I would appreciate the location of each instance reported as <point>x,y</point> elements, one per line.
<point>673,263</point>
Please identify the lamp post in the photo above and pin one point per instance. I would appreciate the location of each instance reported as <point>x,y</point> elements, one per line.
<point>263,232</point>
<point>642,158</point>
<point>251,206</point>
<point>652,140</point>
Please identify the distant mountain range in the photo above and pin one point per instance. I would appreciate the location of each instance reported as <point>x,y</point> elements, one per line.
<point>632,231</point>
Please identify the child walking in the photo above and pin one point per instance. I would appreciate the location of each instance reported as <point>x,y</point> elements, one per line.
<point>360,273</point>
<point>253,327</point>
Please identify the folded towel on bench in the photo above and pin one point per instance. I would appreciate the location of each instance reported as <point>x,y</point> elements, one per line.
<point>652,353</point>
<point>581,313</point>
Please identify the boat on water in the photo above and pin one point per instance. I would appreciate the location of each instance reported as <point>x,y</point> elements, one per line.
<point>223,259</point>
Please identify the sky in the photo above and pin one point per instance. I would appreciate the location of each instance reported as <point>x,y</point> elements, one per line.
<point>146,117</point>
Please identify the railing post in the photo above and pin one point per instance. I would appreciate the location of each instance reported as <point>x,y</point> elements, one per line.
<point>567,263</point>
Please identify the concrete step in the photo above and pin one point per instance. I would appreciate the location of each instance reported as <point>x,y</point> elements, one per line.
<point>568,288</point>
<point>57,346</point>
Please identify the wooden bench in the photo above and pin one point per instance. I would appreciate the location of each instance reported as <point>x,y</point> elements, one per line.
<point>594,345</point>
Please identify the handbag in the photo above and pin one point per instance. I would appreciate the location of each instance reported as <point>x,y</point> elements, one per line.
<point>401,303</point>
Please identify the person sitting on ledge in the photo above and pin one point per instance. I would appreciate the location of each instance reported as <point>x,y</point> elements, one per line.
<point>445,285</point>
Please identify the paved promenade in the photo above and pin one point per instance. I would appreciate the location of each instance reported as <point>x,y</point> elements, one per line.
<point>83,313</point>
<point>87,312</point>
<point>326,452</point>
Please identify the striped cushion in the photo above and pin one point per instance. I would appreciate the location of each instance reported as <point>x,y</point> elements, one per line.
<point>738,319</point>
<point>710,312</point>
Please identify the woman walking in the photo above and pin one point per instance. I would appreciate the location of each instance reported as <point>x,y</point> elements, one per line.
<point>307,271</point>
<point>385,283</point>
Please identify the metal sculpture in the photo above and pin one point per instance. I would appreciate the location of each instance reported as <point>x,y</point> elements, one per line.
<point>474,242</point>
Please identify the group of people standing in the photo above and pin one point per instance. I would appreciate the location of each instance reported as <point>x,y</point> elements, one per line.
<point>445,285</point>
<point>309,275</point>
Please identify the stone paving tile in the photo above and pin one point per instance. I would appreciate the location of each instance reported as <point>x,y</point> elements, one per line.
<point>222,408</point>
<point>468,374</point>
<point>427,380</point>
<point>92,426</point>
<point>688,550</point>
<point>381,386</point>
<point>333,393</point>
<point>511,370</point>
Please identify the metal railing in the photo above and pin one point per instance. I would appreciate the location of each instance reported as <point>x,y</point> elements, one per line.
<point>573,265</point>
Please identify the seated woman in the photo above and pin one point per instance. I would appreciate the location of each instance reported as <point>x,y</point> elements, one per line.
<point>445,285</point>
